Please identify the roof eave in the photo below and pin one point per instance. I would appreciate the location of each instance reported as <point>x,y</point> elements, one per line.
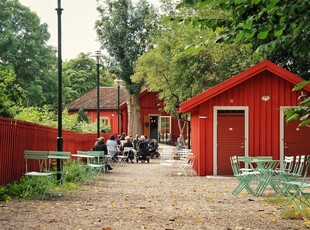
<point>188,105</point>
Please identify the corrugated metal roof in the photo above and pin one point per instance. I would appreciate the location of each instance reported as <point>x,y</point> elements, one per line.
<point>107,95</point>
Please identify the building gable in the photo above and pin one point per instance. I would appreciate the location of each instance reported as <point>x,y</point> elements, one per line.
<point>238,79</point>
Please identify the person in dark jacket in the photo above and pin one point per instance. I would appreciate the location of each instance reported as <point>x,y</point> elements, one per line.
<point>101,146</point>
<point>130,154</point>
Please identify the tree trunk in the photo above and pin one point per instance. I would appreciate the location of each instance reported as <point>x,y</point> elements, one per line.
<point>134,116</point>
<point>181,129</point>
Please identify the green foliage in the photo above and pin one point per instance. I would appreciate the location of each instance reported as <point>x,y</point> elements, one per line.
<point>278,29</point>
<point>23,49</point>
<point>37,115</point>
<point>80,76</point>
<point>47,116</point>
<point>34,187</point>
<point>11,93</point>
<point>302,113</point>
<point>179,74</point>
<point>75,174</point>
<point>4,194</point>
<point>82,116</point>
<point>123,31</point>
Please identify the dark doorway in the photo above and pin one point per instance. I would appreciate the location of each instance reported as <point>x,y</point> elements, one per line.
<point>154,127</point>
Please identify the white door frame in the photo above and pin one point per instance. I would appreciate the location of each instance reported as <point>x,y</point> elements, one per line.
<point>246,131</point>
<point>282,123</point>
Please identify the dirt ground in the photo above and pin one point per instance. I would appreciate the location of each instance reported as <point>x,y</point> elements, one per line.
<point>142,196</point>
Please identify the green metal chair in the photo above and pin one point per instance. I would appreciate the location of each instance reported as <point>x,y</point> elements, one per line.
<point>294,175</point>
<point>97,164</point>
<point>266,167</point>
<point>299,192</point>
<point>244,178</point>
<point>37,179</point>
<point>284,170</point>
<point>247,167</point>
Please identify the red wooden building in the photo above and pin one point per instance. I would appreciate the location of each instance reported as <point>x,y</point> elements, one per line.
<point>156,123</point>
<point>244,116</point>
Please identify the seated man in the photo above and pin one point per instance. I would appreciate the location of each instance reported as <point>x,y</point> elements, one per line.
<point>101,146</point>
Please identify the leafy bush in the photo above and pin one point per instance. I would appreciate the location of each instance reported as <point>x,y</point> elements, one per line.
<point>46,116</point>
<point>75,174</point>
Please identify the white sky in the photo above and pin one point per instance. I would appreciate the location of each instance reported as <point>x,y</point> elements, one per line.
<point>78,21</point>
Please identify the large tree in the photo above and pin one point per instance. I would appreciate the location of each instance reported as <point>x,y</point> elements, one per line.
<point>178,73</point>
<point>23,49</point>
<point>123,31</point>
<point>80,75</point>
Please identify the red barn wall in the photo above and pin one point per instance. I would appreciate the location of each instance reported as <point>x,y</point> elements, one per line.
<point>111,114</point>
<point>264,135</point>
<point>150,104</point>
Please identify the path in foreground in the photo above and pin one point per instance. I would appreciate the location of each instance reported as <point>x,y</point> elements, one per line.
<point>138,196</point>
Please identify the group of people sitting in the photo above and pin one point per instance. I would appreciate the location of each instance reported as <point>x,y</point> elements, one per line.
<point>116,147</point>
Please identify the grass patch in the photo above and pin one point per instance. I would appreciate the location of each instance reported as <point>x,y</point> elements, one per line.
<point>74,175</point>
<point>292,211</point>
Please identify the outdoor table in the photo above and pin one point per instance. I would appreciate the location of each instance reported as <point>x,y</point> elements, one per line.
<point>82,156</point>
<point>266,167</point>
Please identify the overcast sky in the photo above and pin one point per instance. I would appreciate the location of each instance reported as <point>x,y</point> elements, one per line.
<point>78,21</point>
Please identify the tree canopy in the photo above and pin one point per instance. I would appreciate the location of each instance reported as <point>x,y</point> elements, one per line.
<point>80,76</point>
<point>23,49</point>
<point>123,31</point>
<point>179,71</point>
<point>277,29</point>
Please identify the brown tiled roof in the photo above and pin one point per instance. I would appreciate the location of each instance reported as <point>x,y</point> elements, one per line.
<point>107,99</point>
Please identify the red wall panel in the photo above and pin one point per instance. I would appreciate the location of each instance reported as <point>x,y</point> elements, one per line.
<point>263,116</point>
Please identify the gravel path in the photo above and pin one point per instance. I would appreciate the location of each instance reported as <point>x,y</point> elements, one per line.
<point>140,196</point>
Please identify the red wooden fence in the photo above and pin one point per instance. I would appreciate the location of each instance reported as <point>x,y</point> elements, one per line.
<point>17,136</point>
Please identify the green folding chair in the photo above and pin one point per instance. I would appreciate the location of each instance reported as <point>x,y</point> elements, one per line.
<point>266,166</point>
<point>247,165</point>
<point>296,173</point>
<point>37,179</point>
<point>244,178</point>
<point>284,171</point>
<point>299,192</point>
<point>97,164</point>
